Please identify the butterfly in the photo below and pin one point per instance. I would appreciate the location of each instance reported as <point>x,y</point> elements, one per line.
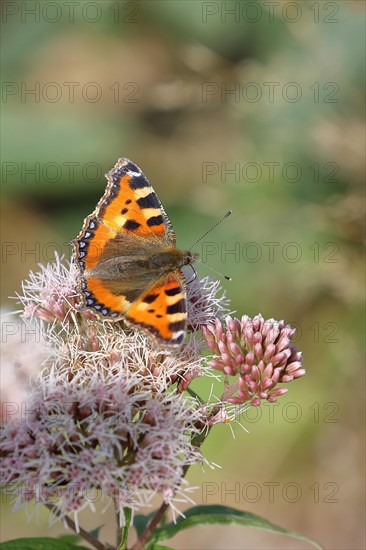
<point>128,264</point>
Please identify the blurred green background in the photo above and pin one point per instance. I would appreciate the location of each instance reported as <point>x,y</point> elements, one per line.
<point>254,106</point>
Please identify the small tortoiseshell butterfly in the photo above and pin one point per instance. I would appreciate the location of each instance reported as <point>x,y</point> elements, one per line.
<point>128,263</point>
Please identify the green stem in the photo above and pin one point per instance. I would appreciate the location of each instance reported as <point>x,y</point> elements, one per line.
<point>195,395</point>
<point>122,541</point>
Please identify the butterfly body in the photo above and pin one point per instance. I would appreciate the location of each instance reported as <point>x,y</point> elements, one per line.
<point>129,265</point>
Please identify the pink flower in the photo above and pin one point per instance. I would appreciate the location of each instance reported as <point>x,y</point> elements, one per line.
<point>260,353</point>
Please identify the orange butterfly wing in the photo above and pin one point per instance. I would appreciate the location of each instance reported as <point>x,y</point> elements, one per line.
<point>110,252</point>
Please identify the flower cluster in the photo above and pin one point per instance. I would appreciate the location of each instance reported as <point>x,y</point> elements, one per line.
<point>50,293</point>
<point>96,431</point>
<point>259,352</point>
<point>109,412</point>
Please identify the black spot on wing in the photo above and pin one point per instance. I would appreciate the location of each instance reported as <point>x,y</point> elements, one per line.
<point>178,307</point>
<point>150,201</point>
<point>130,166</point>
<point>131,225</point>
<point>138,182</point>
<point>150,298</point>
<point>173,291</point>
<point>155,220</point>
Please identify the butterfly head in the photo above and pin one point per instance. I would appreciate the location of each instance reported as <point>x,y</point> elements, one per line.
<point>189,257</point>
<point>171,258</point>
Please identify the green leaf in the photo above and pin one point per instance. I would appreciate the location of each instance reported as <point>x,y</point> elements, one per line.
<point>160,547</point>
<point>71,539</point>
<point>40,543</point>
<point>206,515</point>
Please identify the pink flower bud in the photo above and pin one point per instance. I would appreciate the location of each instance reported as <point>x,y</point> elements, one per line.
<point>279,391</point>
<point>250,358</point>
<point>293,367</point>
<point>255,402</point>
<point>269,352</point>
<point>258,350</point>
<point>298,373</point>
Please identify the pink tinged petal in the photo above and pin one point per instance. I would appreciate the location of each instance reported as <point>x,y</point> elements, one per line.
<point>223,348</point>
<point>233,326</point>
<point>217,364</point>
<point>218,328</point>
<point>263,395</point>
<point>244,395</point>
<point>272,399</point>
<point>295,357</point>
<point>212,345</point>
<point>279,391</point>
<point>234,400</point>
<point>278,358</point>
<point>287,378</point>
<point>227,359</point>
<point>250,358</point>
<point>255,402</point>
<point>239,359</point>
<point>257,338</point>
<point>248,334</point>
<point>255,373</point>
<point>270,350</point>
<point>293,367</point>
<point>245,369</point>
<point>219,418</point>
<point>253,386</point>
<point>243,321</point>
<point>268,371</point>
<point>242,383</point>
<point>235,349</point>
<point>261,366</point>
<point>268,383</point>
<point>272,335</point>
<point>276,376</point>
<point>228,369</point>
<point>258,350</point>
<point>267,326</point>
<point>283,343</point>
<point>299,373</point>
<point>258,322</point>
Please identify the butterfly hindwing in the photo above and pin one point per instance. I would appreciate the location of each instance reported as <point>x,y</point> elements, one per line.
<point>162,309</point>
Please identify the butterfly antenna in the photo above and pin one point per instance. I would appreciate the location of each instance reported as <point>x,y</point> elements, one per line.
<point>226,215</point>
<point>214,270</point>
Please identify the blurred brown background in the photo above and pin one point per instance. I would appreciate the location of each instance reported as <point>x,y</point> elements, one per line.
<point>254,106</point>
